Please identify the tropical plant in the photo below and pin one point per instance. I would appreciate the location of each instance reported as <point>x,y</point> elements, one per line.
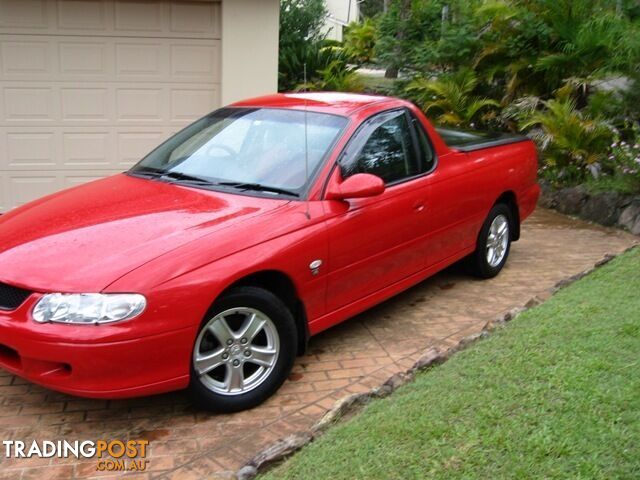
<point>360,40</point>
<point>572,143</point>
<point>591,50</point>
<point>450,98</point>
<point>338,77</point>
<point>327,68</point>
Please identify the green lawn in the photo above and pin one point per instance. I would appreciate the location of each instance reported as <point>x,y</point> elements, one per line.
<point>555,394</point>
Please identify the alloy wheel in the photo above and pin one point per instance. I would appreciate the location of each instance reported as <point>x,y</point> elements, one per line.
<point>236,351</point>
<point>497,240</point>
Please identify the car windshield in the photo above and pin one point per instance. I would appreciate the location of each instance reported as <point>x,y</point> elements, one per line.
<point>247,148</point>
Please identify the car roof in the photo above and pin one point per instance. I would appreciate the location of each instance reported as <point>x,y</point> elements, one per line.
<point>336,103</point>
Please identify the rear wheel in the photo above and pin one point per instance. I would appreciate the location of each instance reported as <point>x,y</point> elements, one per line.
<point>243,352</point>
<point>494,243</point>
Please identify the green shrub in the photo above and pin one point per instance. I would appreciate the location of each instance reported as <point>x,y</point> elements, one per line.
<point>573,144</point>
<point>327,69</point>
<point>450,98</point>
<point>360,40</point>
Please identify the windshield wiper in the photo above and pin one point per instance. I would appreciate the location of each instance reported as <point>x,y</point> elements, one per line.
<point>154,172</point>
<point>258,187</point>
<point>150,172</point>
<point>186,177</point>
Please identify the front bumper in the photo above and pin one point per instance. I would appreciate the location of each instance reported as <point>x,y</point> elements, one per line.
<point>70,359</point>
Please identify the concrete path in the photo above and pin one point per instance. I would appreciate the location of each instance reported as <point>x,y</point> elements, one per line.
<point>353,357</point>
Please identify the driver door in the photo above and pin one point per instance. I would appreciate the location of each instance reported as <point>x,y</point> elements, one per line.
<point>374,242</point>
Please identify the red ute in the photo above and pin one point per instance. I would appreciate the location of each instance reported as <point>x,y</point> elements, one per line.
<point>210,263</point>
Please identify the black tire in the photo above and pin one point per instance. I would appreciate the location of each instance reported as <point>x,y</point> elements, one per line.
<point>270,305</point>
<point>478,261</point>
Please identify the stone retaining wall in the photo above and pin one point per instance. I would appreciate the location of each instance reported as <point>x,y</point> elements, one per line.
<point>606,208</point>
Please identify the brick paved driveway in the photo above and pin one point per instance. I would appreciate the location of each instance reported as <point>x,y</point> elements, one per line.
<point>353,357</point>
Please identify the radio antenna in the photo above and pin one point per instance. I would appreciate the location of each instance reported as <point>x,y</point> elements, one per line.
<point>306,146</point>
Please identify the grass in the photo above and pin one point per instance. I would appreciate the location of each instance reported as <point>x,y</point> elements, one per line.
<point>556,394</point>
<point>378,85</point>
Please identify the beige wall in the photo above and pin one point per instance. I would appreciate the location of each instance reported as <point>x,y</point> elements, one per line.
<point>249,48</point>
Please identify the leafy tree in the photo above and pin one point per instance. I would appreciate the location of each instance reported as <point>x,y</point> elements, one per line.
<point>371,8</point>
<point>300,41</point>
<point>301,21</point>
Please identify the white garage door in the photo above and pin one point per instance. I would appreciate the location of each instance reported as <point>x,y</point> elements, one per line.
<point>88,87</point>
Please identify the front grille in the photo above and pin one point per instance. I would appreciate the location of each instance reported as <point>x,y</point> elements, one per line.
<point>12,297</point>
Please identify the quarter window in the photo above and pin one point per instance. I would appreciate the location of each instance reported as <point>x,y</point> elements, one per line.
<point>426,150</point>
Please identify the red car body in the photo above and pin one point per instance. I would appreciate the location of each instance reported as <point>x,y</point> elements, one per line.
<point>181,247</point>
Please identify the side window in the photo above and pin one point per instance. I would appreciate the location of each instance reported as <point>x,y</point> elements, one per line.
<point>426,149</point>
<point>384,148</point>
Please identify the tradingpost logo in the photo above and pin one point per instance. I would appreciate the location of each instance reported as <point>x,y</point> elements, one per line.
<point>111,455</point>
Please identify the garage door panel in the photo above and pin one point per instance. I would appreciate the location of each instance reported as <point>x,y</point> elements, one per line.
<point>112,149</point>
<point>178,19</point>
<point>28,104</point>
<point>30,14</point>
<point>86,104</point>
<point>84,58</point>
<point>88,150</point>
<point>140,59</point>
<point>194,61</point>
<point>141,16</point>
<point>74,180</point>
<point>19,57</point>
<point>78,59</point>
<point>195,18</point>
<point>82,15</point>
<point>88,88</point>
<point>190,104</point>
<point>104,104</point>
<point>22,188</point>
<point>133,146</point>
<point>36,150</point>
<point>135,104</point>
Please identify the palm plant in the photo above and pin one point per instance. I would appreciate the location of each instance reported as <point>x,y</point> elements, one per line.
<point>450,98</point>
<point>573,143</point>
<point>360,40</point>
<point>591,49</point>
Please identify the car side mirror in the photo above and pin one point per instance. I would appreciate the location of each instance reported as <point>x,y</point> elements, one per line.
<point>360,185</point>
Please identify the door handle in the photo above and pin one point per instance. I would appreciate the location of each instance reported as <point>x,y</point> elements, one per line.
<point>418,206</point>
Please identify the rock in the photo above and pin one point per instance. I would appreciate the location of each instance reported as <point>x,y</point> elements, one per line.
<point>432,357</point>
<point>602,208</point>
<point>340,408</point>
<point>547,195</point>
<point>630,217</point>
<point>246,473</point>
<point>274,453</point>
<point>571,200</point>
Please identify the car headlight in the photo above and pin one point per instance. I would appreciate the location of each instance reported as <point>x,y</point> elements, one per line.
<point>88,308</point>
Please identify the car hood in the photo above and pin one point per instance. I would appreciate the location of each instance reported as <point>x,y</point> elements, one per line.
<point>85,238</point>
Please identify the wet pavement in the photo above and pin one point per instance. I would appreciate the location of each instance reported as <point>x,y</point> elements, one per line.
<point>353,357</point>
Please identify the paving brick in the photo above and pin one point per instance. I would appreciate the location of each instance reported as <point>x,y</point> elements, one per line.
<point>353,357</point>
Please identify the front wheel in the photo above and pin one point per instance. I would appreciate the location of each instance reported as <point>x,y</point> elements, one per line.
<point>243,352</point>
<point>494,243</point>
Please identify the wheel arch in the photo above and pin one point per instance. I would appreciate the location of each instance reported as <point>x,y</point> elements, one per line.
<point>282,286</point>
<point>509,199</point>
